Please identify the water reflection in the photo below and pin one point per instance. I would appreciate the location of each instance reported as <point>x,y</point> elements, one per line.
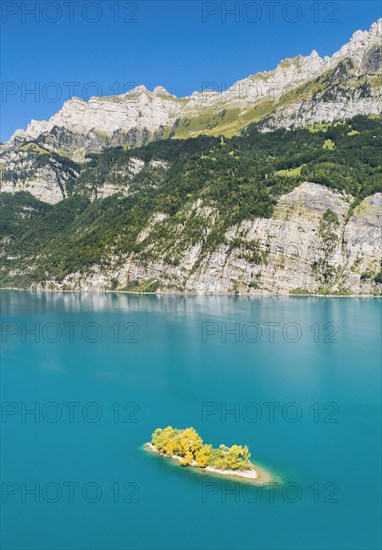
<point>27,302</point>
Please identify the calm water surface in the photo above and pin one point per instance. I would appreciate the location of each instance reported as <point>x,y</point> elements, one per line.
<point>102,371</point>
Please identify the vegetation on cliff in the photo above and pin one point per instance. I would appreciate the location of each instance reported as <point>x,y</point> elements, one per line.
<point>230,179</point>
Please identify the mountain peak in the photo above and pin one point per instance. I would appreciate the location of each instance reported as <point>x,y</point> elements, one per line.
<point>359,43</point>
<point>140,89</point>
<point>142,111</point>
<point>376,28</point>
<point>360,39</point>
<point>160,90</point>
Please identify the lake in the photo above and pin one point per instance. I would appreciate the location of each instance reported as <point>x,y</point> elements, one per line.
<point>86,378</point>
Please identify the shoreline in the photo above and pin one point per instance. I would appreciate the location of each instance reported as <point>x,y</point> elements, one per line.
<point>194,294</point>
<point>257,475</point>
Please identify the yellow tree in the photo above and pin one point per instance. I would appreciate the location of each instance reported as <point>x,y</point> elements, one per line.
<point>203,455</point>
<point>187,459</point>
<point>237,457</point>
<point>190,441</point>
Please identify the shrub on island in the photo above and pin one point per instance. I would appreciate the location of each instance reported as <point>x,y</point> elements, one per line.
<point>188,445</point>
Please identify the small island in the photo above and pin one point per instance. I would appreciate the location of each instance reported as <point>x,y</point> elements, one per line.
<point>187,447</point>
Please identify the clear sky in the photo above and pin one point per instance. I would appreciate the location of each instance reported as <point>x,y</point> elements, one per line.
<point>52,50</point>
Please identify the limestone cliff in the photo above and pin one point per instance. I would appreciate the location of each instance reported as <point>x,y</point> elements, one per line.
<point>300,91</point>
<point>300,249</point>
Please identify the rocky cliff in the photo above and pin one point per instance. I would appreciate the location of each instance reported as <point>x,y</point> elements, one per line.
<point>301,91</point>
<point>278,191</point>
<point>135,116</point>
<point>299,250</point>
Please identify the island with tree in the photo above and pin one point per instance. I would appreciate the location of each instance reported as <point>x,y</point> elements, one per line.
<point>187,447</point>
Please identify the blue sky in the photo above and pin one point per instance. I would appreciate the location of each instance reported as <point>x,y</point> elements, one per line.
<point>83,48</point>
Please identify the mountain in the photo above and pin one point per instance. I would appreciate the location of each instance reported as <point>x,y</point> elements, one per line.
<point>282,211</point>
<point>272,187</point>
<point>299,91</point>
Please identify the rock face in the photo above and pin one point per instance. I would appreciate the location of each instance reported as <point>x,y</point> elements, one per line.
<point>105,116</point>
<point>140,115</point>
<point>300,249</point>
<point>314,241</point>
<point>49,178</point>
<point>120,181</point>
<point>299,92</point>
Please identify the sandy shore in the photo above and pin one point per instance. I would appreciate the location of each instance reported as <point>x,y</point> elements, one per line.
<point>257,475</point>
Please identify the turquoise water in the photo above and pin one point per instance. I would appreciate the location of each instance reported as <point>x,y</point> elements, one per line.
<point>321,375</point>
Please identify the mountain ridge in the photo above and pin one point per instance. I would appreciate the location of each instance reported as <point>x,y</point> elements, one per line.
<point>273,186</point>
<point>139,115</point>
